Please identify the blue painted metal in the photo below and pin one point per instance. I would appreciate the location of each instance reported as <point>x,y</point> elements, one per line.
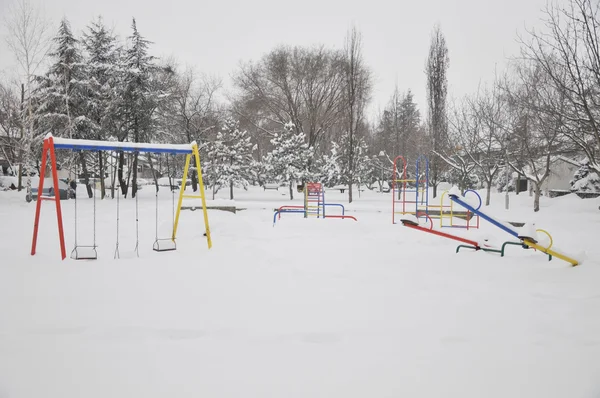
<point>478,197</point>
<point>483,215</point>
<point>337,205</point>
<point>285,211</point>
<point>109,147</point>
<point>420,159</point>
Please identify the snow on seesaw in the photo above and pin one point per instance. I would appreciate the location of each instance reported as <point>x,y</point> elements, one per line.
<point>305,308</point>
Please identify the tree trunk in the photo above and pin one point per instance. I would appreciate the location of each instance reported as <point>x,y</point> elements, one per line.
<point>20,178</point>
<point>291,190</point>
<point>488,192</point>
<point>350,191</point>
<point>113,177</point>
<point>129,168</point>
<point>134,185</point>
<point>86,177</point>
<point>101,167</point>
<point>194,180</point>
<point>434,191</point>
<point>154,177</point>
<point>231,190</point>
<point>536,199</point>
<point>122,182</point>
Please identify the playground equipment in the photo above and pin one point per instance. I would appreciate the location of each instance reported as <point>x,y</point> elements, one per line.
<point>447,212</point>
<point>411,223</point>
<point>51,144</point>
<point>417,201</point>
<point>467,243</point>
<point>527,240</point>
<point>401,186</point>
<point>314,205</point>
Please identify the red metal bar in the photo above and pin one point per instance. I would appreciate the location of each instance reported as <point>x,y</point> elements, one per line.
<point>445,235</point>
<point>61,233</point>
<point>39,202</point>
<point>48,147</point>
<point>288,207</point>
<point>352,217</point>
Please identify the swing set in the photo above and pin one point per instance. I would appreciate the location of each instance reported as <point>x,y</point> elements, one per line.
<point>89,252</point>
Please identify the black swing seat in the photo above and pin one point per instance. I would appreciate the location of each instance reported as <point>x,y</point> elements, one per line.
<point>164,245</point>
<point>84,253</point>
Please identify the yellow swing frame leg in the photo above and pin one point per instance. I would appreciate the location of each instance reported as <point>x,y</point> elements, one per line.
<point>202,195</point>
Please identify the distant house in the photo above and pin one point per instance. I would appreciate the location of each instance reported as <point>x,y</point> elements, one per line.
<point>562,171</point>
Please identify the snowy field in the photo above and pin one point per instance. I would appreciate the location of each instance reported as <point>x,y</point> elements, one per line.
<point>305,308</point>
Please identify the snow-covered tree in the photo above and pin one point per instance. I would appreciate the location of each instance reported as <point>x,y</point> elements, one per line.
<point>326,169</point>
<point>140,97</point>
<point>290,157</point>
<point>361,166</point>
<point>229,159</point>
<point>585,179</point>
<point>63,94</point>
<point>101,69</point>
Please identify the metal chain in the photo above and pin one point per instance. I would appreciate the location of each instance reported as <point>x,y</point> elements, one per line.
<point>99,154</point>
<point>137,219</point>
<point>117,255</point>
<point>75,203</point>
<point>156,216</point>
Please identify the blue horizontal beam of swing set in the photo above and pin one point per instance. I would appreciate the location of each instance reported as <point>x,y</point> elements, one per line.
<point>91,145</point>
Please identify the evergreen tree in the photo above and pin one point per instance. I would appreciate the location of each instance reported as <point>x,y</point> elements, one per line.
<point>327,169</point>
<point>290,158</point>
<point>101,68</point>
<point>229,158</point>
<point>585,179</point>
<point>63,94</point>
<point>361,163</point>
<point>140,99</point>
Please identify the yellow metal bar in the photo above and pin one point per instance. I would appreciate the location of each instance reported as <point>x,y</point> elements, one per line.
<point>192,196</point>
<point>548,235</point>
<point>181,190</point>
<point>554,253</point>
<point>442,208</point>
<point>405,180</point>
<point>452,214</point>
<point>201,181</point>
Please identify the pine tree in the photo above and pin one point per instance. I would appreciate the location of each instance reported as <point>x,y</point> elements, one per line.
<point>290,158</point>
<point>140,99</point>
<point>585,179</point>
<point>229,158</point>
<point>102,77</point>
<point>361,167</point>
<point>327,169</point>
<point>63,94</point>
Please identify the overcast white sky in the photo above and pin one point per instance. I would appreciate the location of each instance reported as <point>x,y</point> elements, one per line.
<point>215,36</point>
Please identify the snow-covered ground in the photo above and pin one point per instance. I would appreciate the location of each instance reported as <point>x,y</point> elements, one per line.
<point>305,308</point>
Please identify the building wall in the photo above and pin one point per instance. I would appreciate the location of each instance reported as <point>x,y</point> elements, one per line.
<point>561,173</point>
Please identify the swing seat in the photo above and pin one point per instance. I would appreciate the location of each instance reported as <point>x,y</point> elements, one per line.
<point>164,245</point>
<point>84,253</point>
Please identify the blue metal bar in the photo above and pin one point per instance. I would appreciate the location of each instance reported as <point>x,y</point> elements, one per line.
<point>336,204</point>
<point>109,147</point>
<point>478,197</point>
<point>484,216</point>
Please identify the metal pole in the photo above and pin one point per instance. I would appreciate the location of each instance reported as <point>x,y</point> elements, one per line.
<point>506,200</point>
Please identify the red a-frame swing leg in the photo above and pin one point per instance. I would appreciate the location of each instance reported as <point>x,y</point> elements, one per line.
<point>49,147</point>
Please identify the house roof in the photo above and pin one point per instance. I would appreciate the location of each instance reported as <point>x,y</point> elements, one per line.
<point>571,161</point>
